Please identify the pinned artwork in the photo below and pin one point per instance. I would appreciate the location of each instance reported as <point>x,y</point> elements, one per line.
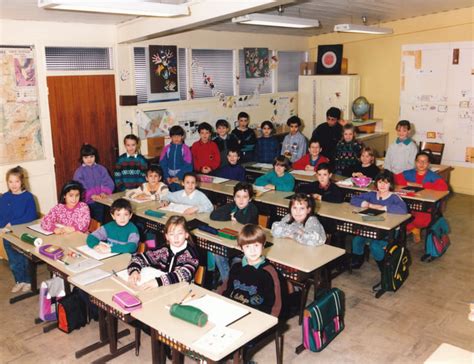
<point>256,62</point>
<point>163,69</point>
<point>329,59</point>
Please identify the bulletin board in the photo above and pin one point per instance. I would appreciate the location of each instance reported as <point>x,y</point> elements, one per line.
<point>436,96</point>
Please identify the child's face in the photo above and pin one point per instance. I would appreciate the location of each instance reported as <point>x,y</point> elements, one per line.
<point>383,186</point>
<point>72,198</point>
<point>242,199</point>
<point>222,131</point>
<point>189,184</point>
<point>300,210</point>
<point>176,235</point>
<point>348,135</point>
<point>331,121</point>
<point>177,139</point>
<point>422,163</point>
<point>366,158</point>
<point>323,177</point>
<point>253,252</point>
<point>88,160</point>
<point>130,146</point>
<point>153,178</point>
<point>403,132</point>
<point>232,158</point>
<point>121,217</point>
<point>205,135</point>
<point>279,170</point>
<point>266,131</point>
<point>243,123</point>
<point>294,129</point>
<point>14,184</point>
<point>314,150</point>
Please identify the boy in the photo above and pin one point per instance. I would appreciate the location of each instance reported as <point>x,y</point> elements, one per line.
<point>329,133</point>
<point>206,156</point>
<point>402,152</point>
<point>175,159</point>
<point>232,170</point>
<point>224,140</point>
<point>311,160</point>
<point>255,282</point>
<point>118,236</point>
<point>246,137</point>
<point>268,147</point>
<point>294,144</point>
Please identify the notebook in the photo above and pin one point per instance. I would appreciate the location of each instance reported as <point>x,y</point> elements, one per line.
<point>39,229</point>
<point>219,312</point>
<point>175,207</point>
<point>303,173</point>
<point>83,265</point>
<point>371,212</point>
<point>89,276</point>
<point>93,254</point>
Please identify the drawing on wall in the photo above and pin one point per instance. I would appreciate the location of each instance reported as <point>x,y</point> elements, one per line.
<point>256,62</point>
<point>163,69</point>
<point>154,123</point>
<point>207,79</point>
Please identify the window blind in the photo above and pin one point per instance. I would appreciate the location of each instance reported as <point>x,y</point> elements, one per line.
<point>289,70</point>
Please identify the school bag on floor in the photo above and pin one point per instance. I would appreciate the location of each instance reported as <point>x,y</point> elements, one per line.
<point>50,291</point>
<point>72,312</point>
<point>437,240</point>
<point>394,269</point>
<point>323,320</point>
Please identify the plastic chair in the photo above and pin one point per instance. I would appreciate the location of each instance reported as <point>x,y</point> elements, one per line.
<point>94,225</point>
<point>434,149</point>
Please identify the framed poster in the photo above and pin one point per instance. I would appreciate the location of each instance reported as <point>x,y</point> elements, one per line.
<point>256,62</point>
<point>163,69</point>
<point>329,59</point>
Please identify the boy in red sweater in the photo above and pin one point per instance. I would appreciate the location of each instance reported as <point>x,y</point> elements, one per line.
<point>312,159</point>
<point>206,156</point>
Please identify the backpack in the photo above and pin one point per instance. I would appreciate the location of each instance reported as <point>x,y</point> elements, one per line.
<point>437,240</point>
<point>72,312</point>
<point>394,269</point>
<point>323,320</point>
<point>50,291</point>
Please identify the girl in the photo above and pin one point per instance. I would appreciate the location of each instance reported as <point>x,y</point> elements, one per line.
<point>347,150</point>
<point>95,179</point>
<point>178,261</point>
<point>312,159</point>
<point>17,206</point>
<point>279,179</point>
<point>152,189</point>
<point>382,199</point>
<point>131,166</point>
<point>300,224</point>
<point>70,214</point>
<point>366,167</point>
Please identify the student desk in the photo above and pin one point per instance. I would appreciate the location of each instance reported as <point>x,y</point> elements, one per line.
<point>108,201</point>
<point>181,335</point>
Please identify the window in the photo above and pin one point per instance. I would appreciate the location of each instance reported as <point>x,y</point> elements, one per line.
<point>78,59</point>
<point>289,70</point>
<point>247,86</point>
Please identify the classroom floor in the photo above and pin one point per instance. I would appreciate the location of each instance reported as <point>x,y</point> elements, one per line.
<point>405,327</point>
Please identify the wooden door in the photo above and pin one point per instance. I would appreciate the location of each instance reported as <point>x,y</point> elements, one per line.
<point>82,110</point>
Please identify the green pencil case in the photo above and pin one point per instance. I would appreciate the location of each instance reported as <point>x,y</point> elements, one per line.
<point>189,314</point>
<point>154,213</point>
<point>372,218</point>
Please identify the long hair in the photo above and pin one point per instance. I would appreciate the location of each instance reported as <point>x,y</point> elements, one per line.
<point>18,172</point>
<point>176,220</point>
<point>302,197</point>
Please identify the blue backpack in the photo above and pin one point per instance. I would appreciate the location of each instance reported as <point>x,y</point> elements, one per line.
<point>437,240</point>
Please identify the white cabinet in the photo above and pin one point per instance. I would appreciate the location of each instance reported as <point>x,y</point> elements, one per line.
<point>316,94</point>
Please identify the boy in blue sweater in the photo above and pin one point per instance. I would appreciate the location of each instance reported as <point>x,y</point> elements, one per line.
<point>232,170</point>
<point>268,147</point>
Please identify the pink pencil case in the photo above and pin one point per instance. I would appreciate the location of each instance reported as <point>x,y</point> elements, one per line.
<point>127,301</point>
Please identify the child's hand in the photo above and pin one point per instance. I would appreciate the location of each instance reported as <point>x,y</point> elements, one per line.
<point>376,206</point>
<point>163,203</point>
<point>68,229</point>
<point>205,169</point>
<point>134,278</point>
<point>190,211</point>
<point>365,204</point>
<point>142,197</point>
<point>270,186</point>
<point>150,284</point>
<point>309,168</point>
<point>59,231</point>
<point>6,228</point>
<point>172,180</point>
<point>317,196</point>
<point>102,248</point>
<point>357,174</point>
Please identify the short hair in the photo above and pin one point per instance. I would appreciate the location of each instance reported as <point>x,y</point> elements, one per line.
<point>205,126</point>
<point>18,172</point>
<point>244,186</point>
<point>333,112</point>
<point>243,114</point>
<point>325,166</point>
<point>176,130</point>
<point>369,150</point>
<point>88,150</point>
<point>176,220</point>
<point>302,197</point>
<point>190,174</point>
<point>403,123</point>
<point>294,120</point>
<point>131,137</point>
<point>222,122</point>
<point>425,153</point>
<point>386,176</point>
<point>251,234</point>
<point>314,141</point>
<point>267,123</point>
<point>281,160</point>
<point>156,169</point>
<point>121,204</point>
<point>348,126</point>
<point>233,150</point>
<point>70,186</point>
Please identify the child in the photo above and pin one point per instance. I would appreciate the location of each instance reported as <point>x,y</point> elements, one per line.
<point>131,166</point>
<point>197,201</point>
<point>118,236</point>
<point>402,152</point>
<point>232,170</point>
<point>311,160</point>
<point>95,179</point>
<point>421,176</point>
<point>329,133</point>
<point>246,137</point>
<point>17,206</point>
<point>279,179</point>
<point>255,282</point>
<point>323,189</point>
<point>300,224</point>
<point>70,214</point>
<point>224,140</point>
<point>178,261</point>
<point>153,189</point>
<point>294,144</point>
<point>206,155</point>
<point>267,148</point>
<point>382,199</point>
<point>366,167</point>
<point>176,159</point>
<point>347,150</point>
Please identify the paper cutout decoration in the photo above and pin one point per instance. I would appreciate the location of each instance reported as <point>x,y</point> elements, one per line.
<point>163,69</point>
<point>256,62</point>
<point>329,59</point>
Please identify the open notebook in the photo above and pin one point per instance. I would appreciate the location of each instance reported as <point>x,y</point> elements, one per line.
<point>175,207</point>
<point>39,229</point>
<point>89,276</point>
<point>147,274</point>
<point>93,254</point>
<point>219,311</point>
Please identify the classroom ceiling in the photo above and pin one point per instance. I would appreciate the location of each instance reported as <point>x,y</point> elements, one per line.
<point>328,12</point>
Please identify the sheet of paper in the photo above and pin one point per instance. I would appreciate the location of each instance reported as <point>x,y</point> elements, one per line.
<point>93,254</point>
<point>263,165</point>
<point>346,182</point>
<point>219,312</point>
<point>303,173</point>
<point>39,229</point>
<point>89,276</point>
<point>136,200</point>
<point>261,189</point>
<point>147,274</point>
<point>217,339</point>
<point>175,207</point>
<point>83,265</point>
<point>219,179</point>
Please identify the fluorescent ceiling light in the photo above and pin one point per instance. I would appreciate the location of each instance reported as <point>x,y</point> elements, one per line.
<point>276,21</point>
<point>357,28</point>
<point>129,7</point>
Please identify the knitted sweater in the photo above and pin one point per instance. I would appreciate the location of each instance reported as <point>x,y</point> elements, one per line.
<point>247,140</point>
<point>247,215</point>
<point>144,189</point>
<point>284,183</point>
<point>311,233</point>
<point>78,217</point>
<point>307,161</point>
<point>347,155</point>
<point>224,144</point>
<point>130,171</point>
<point>178,267</point>
<point>176,160</point>
<point>328,137</point>
<point>267,149</point>
<point>295,145</point>
<point>196,199</point>
<point>393,203</point>
<point>401,156</point>
<point>122,239</point>
<point>17,208</point>
<point>235,172</point>
<point>95,179</point>
<point>205,155</point>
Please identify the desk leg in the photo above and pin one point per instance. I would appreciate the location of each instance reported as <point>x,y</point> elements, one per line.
<point>158,355</point>
<point>238,356</point>
<point>176,356</point>
<point>34,284</point>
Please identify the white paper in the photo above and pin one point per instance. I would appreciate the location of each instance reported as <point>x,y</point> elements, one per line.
<point>147,274</point>
<point>262,165</point>
<point>218,339</point>
<point>136,200</point>
<point>175,207</point>
<point>93,254</point>
<point>346,182</point>
<point>83,265</point>
<point>303,172</point>
<point>219,312</point>
<point>261,189</point>
<point>39,229</point>
<point>89,276</point>
<point>219,179</point>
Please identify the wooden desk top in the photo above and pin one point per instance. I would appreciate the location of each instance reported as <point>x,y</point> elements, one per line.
<point>135,205</point>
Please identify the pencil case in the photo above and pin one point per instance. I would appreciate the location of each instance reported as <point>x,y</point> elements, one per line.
<point>154,213</point>
<point>51,251</point>
<point>228,233</point>
<point>127,301</point>
<point>208,229</point>
<point>189,314</point>
<point>31,239</point>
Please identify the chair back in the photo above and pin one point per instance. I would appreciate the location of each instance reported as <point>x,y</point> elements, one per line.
<point>434,149</point>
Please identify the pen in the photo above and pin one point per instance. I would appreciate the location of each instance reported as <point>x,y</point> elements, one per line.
<point>186,296</point>
<point>114,273</point>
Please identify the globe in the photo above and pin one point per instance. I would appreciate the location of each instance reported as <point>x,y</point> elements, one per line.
<point>360,107</point>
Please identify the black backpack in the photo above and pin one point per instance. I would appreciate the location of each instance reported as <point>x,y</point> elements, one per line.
<point>394,269</point>
<point>72,312</point>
